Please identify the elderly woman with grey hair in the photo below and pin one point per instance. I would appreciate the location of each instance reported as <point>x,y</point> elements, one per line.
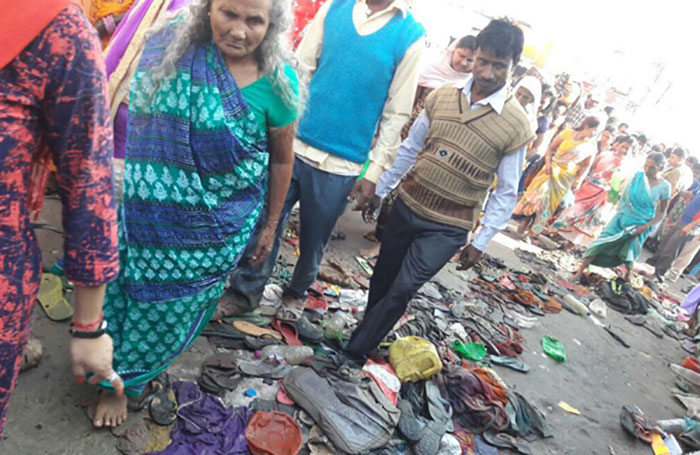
<point>212,113</point>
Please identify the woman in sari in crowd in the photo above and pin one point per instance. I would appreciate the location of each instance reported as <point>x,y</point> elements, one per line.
<point>212,114</point>
<point>605,139</point>
<point>642,206</point>
<point>528,92</point>
<point>582,222</point>
<point>453,67</point>
<point>105,15</point>
<point>551,116</point>
<point>566,161</point>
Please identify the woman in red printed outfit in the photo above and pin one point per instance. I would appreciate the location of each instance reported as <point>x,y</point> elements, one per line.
<point>53,105</point>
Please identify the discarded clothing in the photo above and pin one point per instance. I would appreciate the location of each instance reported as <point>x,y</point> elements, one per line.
<point>355,417</point>
<point>474,401</point>
<point>622,298</point>
<point>205,425</point>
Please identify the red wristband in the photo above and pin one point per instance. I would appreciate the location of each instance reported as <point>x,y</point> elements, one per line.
<point>91,327</point>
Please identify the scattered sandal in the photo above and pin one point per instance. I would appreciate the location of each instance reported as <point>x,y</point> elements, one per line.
<point>31,354</point>
<point>253,330</point>
<point>513,363</point>
<point>288,331</point>
<point>292,309</point>
<point>163,406</point>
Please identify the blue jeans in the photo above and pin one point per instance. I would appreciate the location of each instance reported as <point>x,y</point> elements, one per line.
<point>322,199</point>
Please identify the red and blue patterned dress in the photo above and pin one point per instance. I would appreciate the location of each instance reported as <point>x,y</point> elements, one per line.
<point>53,93</point>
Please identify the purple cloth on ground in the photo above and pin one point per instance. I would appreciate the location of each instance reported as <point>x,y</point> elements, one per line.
<point>690,304</point>
<point>119,43</point>
<point>205,426</point>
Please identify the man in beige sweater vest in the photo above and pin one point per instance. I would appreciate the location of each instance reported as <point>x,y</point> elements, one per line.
<point>466,136</point>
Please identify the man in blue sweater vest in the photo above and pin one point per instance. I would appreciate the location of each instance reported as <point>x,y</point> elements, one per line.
<point>363,56</point>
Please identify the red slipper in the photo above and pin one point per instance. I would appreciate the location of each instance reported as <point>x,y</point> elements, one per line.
<point>362,281</point>
<point>316,304</point>
<point>288,331</point>
<point>283,398</point>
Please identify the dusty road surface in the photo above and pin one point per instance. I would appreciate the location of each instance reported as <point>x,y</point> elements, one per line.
<point>47,415</point>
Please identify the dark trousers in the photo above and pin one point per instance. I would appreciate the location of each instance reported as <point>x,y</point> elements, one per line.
<point>669,249</point>
<point>322,199</point>
<point>413,251</point>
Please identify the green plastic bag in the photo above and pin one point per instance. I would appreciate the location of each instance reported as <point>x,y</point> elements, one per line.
<point>470,351</point>
<point>553,348</point>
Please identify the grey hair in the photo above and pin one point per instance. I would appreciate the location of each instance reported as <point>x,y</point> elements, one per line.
<point>272,54</point>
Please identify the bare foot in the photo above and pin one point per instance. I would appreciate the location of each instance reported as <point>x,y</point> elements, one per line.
<point>371,252</point>
<point>111,410</point>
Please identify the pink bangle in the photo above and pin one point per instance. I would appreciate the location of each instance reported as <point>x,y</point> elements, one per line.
<point>109,24</point>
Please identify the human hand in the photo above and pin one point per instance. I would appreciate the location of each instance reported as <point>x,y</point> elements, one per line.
<point>265,241</point>
<point>94,355</point>
<point>370,209</point>
<point>469,257</point>
<point>686,229</point>
<point>363,192</point>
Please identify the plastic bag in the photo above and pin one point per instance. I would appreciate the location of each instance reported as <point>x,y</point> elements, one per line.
<point>414,359</point>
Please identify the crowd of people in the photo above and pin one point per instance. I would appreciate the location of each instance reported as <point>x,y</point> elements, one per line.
<point>180,157</point>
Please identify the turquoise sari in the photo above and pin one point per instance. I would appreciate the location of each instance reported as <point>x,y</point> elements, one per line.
<point>618,243</point>
<point>195,183</point>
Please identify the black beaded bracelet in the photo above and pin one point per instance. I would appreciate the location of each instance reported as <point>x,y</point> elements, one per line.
<point>88,335</point>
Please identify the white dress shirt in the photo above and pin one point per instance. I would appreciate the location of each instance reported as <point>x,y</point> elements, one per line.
<point>502,200</point>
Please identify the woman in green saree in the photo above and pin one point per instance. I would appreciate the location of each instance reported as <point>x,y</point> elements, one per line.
<point>212,111</point>
<point>642,206</point>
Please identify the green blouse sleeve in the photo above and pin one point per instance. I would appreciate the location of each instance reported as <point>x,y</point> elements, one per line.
<point>280,114</point>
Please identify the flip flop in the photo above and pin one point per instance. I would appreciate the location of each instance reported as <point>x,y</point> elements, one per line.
<point>265,369</point>
<point>257,319</point>
<point>307,331</point>
<point>553,348</point>
<point>227,343</point>
<point>689,347</point>
<point>283,397</point>
<point>219,373</point>
<point>471,351</point>
<point>52,300</point>
<point>138,403</point>
<point>617,337</point>
<point>506,441</point>
<point>218,329</point>
<point>364,265</point>
<point>362,281</point>
<point>257,343</point>
<point>318,304</point>
<point>510,362</point>
<point>163,405</point>
<point>255,331</point>
<point>288,332</point>
<point>635,424</point>
<point>31,354</point>
<point>135,439</point>
<point>290,313</point>
<point>410,426</point>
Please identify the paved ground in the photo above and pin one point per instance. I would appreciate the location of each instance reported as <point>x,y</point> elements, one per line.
<point>46,416</point>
